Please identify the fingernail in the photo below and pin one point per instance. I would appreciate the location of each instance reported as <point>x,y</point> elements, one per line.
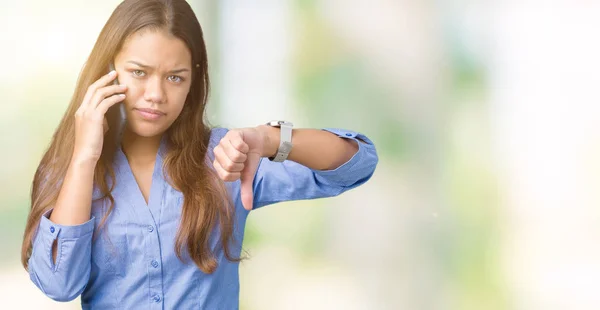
<point>113,72</point>
<point>122,95</point>
<point>123,86</point>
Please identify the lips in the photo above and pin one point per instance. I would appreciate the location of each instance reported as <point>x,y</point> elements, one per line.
<point>150,114</point>
<point>151,111</point>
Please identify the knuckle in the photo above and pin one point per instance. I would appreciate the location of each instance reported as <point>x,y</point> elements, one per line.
<point>239,157</point>
<point>102,92</point>
<point>238,144</point>
<point>91,89</point>
<point>231,177</point>
<point>229,165</point>
<point>233,135</point>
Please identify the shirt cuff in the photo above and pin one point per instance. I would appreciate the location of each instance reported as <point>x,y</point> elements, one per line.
<point>345,174</point>
<point>65,231</point>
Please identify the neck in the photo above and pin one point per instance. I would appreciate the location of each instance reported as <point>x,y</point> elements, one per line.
<point>140,151</point>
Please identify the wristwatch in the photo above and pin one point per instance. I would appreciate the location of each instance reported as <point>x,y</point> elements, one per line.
<point>285,141</point>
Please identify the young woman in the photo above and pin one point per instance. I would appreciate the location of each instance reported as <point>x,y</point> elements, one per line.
<point>149,213</point>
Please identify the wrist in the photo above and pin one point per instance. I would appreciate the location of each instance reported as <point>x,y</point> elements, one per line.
<point>83,162</point>
<point>270,140</point>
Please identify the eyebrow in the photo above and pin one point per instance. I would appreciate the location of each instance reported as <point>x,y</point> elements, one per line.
<point>149,67</point>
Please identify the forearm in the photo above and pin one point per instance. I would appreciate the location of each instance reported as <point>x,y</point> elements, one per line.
<point>313,148</point>
<point>73,206</point>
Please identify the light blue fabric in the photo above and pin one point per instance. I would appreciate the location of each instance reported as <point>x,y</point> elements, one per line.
<point>132,265</point>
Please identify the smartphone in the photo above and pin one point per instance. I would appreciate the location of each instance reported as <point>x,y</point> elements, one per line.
<point>117,111</point>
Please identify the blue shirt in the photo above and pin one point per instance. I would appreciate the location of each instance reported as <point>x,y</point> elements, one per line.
<point>133,265</point>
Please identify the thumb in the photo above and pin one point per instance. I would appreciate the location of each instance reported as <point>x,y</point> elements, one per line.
<point>247,179</point>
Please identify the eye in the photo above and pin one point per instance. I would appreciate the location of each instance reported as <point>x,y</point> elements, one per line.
<point>175,79</point>
<point>138,73</point>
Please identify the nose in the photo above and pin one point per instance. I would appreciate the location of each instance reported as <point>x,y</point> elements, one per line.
<point>154,91</point>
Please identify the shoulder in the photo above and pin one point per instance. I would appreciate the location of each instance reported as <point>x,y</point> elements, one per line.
<point>216,134</point>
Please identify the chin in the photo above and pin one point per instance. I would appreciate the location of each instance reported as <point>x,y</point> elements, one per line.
<point>146,130</point>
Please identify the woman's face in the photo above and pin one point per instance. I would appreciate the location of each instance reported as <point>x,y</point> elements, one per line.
<point>156,67</point>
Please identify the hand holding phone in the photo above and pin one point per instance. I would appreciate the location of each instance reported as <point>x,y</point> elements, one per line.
<point>90,117</point>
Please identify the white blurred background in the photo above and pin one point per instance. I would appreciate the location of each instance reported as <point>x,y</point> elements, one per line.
<point>485,116</point>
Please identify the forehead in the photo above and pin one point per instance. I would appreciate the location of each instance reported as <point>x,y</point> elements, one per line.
<point>156,48</point>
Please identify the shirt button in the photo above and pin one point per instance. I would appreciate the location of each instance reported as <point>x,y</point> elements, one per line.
<point>150,229</point>
<point>154,264</point>
<point>349,135</point>
<point>52,229</point>
<point>156,298</point>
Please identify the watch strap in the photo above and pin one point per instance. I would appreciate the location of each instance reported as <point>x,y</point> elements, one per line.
<point>285,140</point>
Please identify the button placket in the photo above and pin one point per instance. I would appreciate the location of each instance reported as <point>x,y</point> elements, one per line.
<point>153,256</point>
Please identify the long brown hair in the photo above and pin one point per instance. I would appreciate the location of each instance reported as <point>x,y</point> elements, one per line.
<point>206,202</point>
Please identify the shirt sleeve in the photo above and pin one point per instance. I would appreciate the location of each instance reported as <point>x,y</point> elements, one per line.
<point>66,278</point>
<point>275,182</point>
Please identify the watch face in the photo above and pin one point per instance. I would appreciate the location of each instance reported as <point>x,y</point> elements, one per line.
<point>275,123</point>
<point>279,123</point>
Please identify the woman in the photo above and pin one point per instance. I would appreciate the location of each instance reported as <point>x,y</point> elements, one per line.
<point>149,213</point>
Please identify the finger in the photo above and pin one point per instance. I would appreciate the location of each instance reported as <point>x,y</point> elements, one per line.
<point>109,102</point>
<point>225,162</point>
<point>105,92</point>
<point>104,80</point>
<point>236,141</point>
<point>225,175</point>
<point>227,150</point>
<point>236,154</point>
<point>247,180</point>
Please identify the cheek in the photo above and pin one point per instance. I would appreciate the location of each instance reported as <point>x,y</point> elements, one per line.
<point>133,94</point>
<point>176,107</point>
<point>177,98</point>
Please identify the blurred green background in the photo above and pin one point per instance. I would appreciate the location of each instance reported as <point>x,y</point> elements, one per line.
<point>467,208</point>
